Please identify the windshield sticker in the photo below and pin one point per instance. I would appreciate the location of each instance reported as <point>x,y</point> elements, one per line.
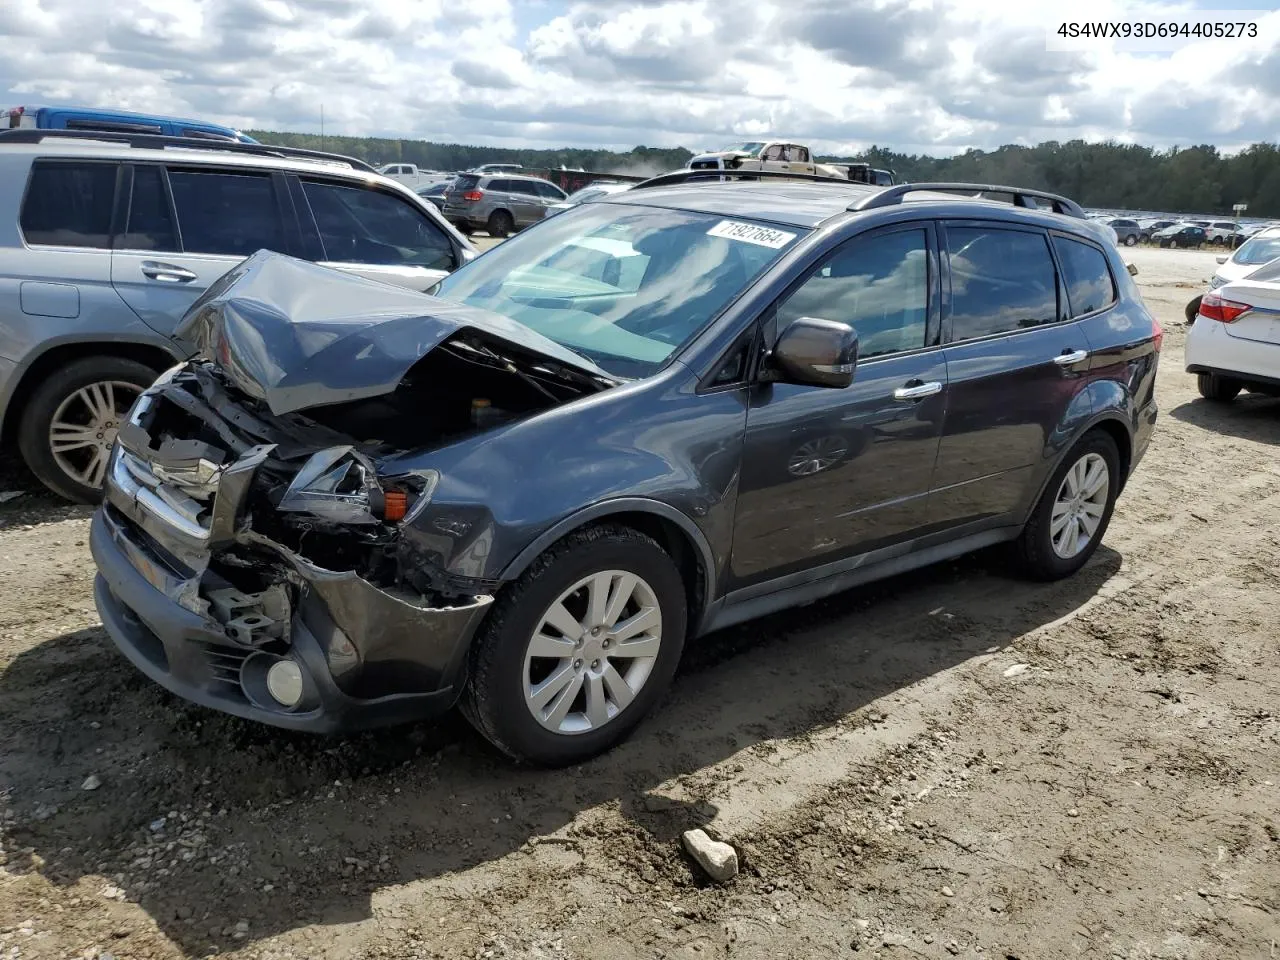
<point>750,233</point>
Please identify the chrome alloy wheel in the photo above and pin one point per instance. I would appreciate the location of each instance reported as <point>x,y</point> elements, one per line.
<point>1079,506</point>
<point>593,650</point>
<point>84,428</point>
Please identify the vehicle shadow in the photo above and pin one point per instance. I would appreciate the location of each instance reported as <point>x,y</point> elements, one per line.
<point>277,830</point>
<point>34,503</point>
<point>1250,416</point>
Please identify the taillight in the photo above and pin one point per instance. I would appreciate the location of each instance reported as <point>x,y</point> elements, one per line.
<point>1157,334</point>
<point>1214,307</point>
<point>473,195</point>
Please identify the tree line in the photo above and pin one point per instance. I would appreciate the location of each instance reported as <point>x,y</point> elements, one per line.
<point>1108,175</point>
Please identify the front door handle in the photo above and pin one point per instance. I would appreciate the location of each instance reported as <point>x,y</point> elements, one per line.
<point>915,390</point>
<point>166,272</point>
<point>1071,356</point>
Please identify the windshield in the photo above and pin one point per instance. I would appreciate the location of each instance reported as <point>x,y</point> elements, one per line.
<point>624,286</point>
<point>751,146</point>
<point>1258,250</point>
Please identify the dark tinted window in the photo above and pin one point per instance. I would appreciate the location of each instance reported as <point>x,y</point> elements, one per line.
<point>1001,280</point>
<point>548,191</point>
<point>464,182</point>
<point>69,204</point>
<point>226,213</point>
<point>1089,283</point>
<point>529,188</point>
<point>150,224</point>
<point>365,226</point>
<point>878,284</point>
<point>498,185</point>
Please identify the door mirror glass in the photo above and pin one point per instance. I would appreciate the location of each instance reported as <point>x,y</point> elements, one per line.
<point>817,352</point>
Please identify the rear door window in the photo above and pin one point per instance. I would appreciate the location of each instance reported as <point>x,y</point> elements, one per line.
<point>498,185</point>
<point>1090,286</point>
<point>150,224</point>
<point>1001,281</point>
<point>233,214</point>
<point>358,225</point>
<point>69,204</point>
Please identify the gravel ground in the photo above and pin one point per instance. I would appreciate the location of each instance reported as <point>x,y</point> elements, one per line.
<point>951,763</point>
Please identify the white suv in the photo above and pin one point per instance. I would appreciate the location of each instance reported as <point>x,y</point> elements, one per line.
<point>106,239</point>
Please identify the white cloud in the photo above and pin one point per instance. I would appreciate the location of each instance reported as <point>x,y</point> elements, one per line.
<point>917,75</point>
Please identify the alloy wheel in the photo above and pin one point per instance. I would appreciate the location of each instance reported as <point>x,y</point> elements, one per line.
<point>1080,505</point>
<point>84,428</point>
<point>592,652</point>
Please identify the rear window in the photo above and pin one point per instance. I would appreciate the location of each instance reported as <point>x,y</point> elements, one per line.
<point>226,213</point>
<point>465,182</point>
<point>1258,250</point>
<point>69,204</point>
<point>1089,283</point>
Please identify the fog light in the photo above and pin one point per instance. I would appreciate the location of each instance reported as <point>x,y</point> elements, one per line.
<point>284,682</point>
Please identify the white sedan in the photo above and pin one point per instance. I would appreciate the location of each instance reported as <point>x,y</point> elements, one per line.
<point>1234,344</point>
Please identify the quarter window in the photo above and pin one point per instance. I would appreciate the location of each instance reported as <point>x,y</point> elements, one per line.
<point>1089,283</point>
<point>1001,280</point>
<point>226,213</point>
<point>69,204</point>
<point>878,284</point>
<point>365,226</point>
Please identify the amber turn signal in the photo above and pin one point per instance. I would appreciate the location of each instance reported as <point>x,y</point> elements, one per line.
<point>395,505</point>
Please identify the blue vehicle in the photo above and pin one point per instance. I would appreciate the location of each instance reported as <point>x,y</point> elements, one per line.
<point>119,121</point>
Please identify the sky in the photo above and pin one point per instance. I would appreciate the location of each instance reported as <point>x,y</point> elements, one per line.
<point>917,76</point>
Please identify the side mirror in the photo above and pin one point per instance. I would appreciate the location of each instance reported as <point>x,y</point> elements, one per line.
<point>1223,258</point>
<point>1132,268</point>
<point>817,352</point>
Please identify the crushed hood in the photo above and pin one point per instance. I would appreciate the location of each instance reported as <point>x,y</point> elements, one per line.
<point>296,335</point>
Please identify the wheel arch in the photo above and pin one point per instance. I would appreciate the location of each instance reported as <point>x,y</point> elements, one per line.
<point>674,532</point>
<point>1113,425</point>
<point>61,354</point>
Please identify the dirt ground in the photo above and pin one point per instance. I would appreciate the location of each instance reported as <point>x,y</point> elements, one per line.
<point>951,763</point>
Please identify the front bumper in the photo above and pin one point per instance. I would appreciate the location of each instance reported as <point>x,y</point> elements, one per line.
<point>204,606</point>
<point>345,634</point>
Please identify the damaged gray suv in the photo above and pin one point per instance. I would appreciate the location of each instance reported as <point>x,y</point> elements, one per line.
<point>644,419</point>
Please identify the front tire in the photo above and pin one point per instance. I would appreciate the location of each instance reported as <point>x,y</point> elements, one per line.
<point>69,424</point>
<point>1074,511</point>
<point>1217,388</point>
<point>578,650</point>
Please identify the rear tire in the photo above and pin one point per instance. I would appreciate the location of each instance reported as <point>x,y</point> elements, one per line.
<point>502,698</point>
<point>1193,309</point>
<point>500,224</point>
<point>1051,547</point>
<point>62,395</point>
<point>1217,388</point>
<point>1130,240</point>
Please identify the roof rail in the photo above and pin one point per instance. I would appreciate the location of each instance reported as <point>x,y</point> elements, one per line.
<point>1022,197</point>
<point>152,141</point>
<point>684,176</point>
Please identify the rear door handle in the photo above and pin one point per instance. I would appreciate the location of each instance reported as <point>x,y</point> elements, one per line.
<point>915,390</point>
<point>166,272</point>
<point>1070,357</point>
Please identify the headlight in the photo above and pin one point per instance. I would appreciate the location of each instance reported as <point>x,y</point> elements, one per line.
<point>341,485</point>
<point>337,484</point>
